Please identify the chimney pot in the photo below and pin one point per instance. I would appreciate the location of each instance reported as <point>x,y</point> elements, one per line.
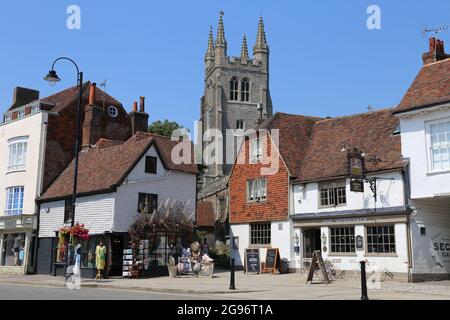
<point>432,44</point>
<point>92,94</point>
<point>142,106</point>
<point>135,106</point>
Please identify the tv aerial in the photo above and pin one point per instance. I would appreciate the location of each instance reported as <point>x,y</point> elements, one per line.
<point>435,30</point>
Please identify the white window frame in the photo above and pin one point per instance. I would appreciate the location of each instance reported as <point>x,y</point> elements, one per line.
<point>17,162</point>
<point>429,146</point>
<point>256,149</point>
<point>13,194</point>
<point>257,190</point>
<point>334,191</point>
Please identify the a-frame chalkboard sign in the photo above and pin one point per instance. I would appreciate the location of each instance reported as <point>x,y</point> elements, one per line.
<point>252,262</point>
<point>273,261</point>
<point>317,264</point>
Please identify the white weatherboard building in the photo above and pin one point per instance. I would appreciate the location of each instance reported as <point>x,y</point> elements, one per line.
<point>22,147</point>
<point>116,180</point>
<point>425,129</point>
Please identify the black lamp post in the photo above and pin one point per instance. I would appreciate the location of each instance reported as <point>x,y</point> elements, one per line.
<point>52,79</point>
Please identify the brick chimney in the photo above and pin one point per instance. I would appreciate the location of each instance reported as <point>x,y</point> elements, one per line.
<point>92,128</point>
<point>436,52</point>
<point>23,96</point>
<point>139,119</point>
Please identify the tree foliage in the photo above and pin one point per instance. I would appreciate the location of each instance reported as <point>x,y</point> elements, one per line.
<point>164,128</point>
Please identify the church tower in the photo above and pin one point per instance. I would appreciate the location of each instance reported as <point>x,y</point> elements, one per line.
<point>236,94</point>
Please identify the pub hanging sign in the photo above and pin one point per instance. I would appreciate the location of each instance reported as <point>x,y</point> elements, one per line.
<point>356,170</point>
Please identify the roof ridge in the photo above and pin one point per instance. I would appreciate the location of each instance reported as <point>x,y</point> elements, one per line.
<point>357,114</point>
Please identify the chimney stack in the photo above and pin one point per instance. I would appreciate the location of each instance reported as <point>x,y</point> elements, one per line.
<point>142,105</point>
<point>23,96</point>
<point>92,128</point>
<point>139,119</point>
<point>436,52</point>
<point>92,94</point>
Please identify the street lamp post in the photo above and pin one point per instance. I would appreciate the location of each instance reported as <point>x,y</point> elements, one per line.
<point>52,79</point>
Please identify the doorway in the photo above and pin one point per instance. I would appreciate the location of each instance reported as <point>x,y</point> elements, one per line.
<point>116,255</point>
<point>312,242</point>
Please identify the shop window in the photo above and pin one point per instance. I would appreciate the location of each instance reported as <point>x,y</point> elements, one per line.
<point>440,145</point>
<point>151,164</point>
<point>381,239</point>
<point>13,254</point>
<point>88,252</point>
<point>260,234</point>
<point>17,154</point>
<point>257,190</point>
<point>14,201</point>
<point>342,240</point>
<point>332,194</point>
<point>148,203</point>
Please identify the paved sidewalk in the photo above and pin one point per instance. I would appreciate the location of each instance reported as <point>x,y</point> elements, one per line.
<point>267,287</point>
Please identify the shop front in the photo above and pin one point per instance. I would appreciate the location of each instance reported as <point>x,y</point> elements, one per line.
<point>379,240</point>
<point>17,242</point>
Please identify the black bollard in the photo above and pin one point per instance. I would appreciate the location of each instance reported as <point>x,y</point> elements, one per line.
<point>364,295</point>
<point>232,279</point>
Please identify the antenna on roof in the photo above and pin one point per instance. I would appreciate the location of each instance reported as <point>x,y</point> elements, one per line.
<point>103,85</point>
<point>369,108</point>
<point>436,30</point>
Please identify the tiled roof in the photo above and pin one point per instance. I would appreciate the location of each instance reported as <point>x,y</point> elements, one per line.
<point>371,132</point>
<point>104,166</point>
<point>294,132</point>
<point>205,214</point>
<point>64,98</point>
<point>431,86</point>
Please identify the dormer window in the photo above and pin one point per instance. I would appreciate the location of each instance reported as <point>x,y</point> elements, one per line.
<point>113,112</point>
<point>234,89</point>
<point>245,90</point>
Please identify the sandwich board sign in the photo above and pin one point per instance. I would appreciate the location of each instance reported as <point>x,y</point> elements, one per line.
<point>317,263</point>
<point>252,261</point>
<point>273,261</point>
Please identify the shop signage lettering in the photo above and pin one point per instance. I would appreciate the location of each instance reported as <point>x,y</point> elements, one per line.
<point>342,221</point>
<point>441,247</point>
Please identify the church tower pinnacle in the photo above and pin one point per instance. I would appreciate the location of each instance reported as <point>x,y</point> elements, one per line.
<point>244,50</point>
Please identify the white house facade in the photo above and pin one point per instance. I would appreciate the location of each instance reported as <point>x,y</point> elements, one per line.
<point>22,147</point>
<point>109,214</point>
<point>424,115</point>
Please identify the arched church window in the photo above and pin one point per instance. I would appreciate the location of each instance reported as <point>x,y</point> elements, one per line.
<point>245,90</point>
<point>234,89</point>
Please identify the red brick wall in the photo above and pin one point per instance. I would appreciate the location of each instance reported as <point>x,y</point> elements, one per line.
<point>60,142</point>
<point>275,208</point>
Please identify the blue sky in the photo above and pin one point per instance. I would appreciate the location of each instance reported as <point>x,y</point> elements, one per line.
<point>324,60</point>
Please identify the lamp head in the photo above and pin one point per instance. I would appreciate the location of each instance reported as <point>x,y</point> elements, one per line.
<point>52,78</point>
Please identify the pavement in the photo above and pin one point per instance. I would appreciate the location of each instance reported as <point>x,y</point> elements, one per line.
<point>254,287</point>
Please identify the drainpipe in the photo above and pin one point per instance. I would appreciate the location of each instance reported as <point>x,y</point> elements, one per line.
<point>407,188</point>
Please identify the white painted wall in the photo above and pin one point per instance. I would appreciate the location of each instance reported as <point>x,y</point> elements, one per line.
<point>168,185</point>
<point>281,239</point>
<point>33,127</point>
<point>434,215</point>
<point>390,194</point>
<point>95,212</point>
<point>424,183</point>
<point>115,212</point>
